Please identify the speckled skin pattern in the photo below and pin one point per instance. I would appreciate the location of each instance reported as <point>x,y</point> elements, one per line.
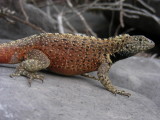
<point>69,54</point>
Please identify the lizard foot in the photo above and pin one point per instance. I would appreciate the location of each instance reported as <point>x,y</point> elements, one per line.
<point>109,86</point>
<point>30,75</point>
<point>34,61</point>
<point>115,91</point>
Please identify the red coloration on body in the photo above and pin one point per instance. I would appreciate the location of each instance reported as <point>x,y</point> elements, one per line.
<point>72,54</point>
<point>6,54</point>
<point>68,54</point>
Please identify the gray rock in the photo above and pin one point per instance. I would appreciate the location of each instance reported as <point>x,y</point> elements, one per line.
<point>68,98</point>
<point>139,74</point>
<point>99,26</point>
<point>18,30</point>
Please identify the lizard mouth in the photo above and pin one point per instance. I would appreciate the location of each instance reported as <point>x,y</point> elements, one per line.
<point>144,48</point>
<point>150,44</point>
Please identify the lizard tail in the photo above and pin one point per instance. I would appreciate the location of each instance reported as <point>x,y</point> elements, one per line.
<point>6,54</point>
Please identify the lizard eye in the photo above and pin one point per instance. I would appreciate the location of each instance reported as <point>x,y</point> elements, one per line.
<point>127,46</point>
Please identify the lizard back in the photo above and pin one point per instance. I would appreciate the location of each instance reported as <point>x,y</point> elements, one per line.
<point>68,54</point>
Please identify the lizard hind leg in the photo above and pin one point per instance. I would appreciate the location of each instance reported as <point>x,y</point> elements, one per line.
<point>35,60</point>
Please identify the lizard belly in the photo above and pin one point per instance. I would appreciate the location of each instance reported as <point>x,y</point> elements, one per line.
<point>73,69</point>
<point>72,60</point>
<point>73,64</point>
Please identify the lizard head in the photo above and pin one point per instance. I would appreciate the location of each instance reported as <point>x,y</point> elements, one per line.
<point>135,44</point>
<point>131,45</point>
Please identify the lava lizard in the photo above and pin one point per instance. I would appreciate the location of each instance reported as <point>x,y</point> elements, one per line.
<point>69,54</point>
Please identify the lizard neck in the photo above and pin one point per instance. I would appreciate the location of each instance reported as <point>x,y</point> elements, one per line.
<point>114,45</point>
<point>119,56</point>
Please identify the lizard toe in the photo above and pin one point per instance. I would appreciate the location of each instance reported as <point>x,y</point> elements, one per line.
<point>33,76</point>
<point>14,75</point>
<point>115,91</point>
<point>122,92</point>
<point>30,75</point>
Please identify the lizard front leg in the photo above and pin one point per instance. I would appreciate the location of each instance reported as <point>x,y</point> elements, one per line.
<point>35,60</point>
<point>104,79</point>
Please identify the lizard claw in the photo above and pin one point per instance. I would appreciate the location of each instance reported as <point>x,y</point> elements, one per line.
<point>30,82</point>
<point>33,76</point>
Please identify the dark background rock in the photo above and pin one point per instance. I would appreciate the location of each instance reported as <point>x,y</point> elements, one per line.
<point>99,26</point>
<point>18,30</point>
<point>142,25</point>
<point>39,18</point>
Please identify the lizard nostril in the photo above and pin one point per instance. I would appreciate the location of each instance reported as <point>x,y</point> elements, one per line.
<point>152,44</point>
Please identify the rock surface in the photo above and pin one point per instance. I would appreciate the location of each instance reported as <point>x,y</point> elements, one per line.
<point>141,75</point>
<point>72,98</point>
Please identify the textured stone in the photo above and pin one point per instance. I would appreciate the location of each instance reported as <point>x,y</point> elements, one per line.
<point>68,98</point>
<point>140,75</point>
